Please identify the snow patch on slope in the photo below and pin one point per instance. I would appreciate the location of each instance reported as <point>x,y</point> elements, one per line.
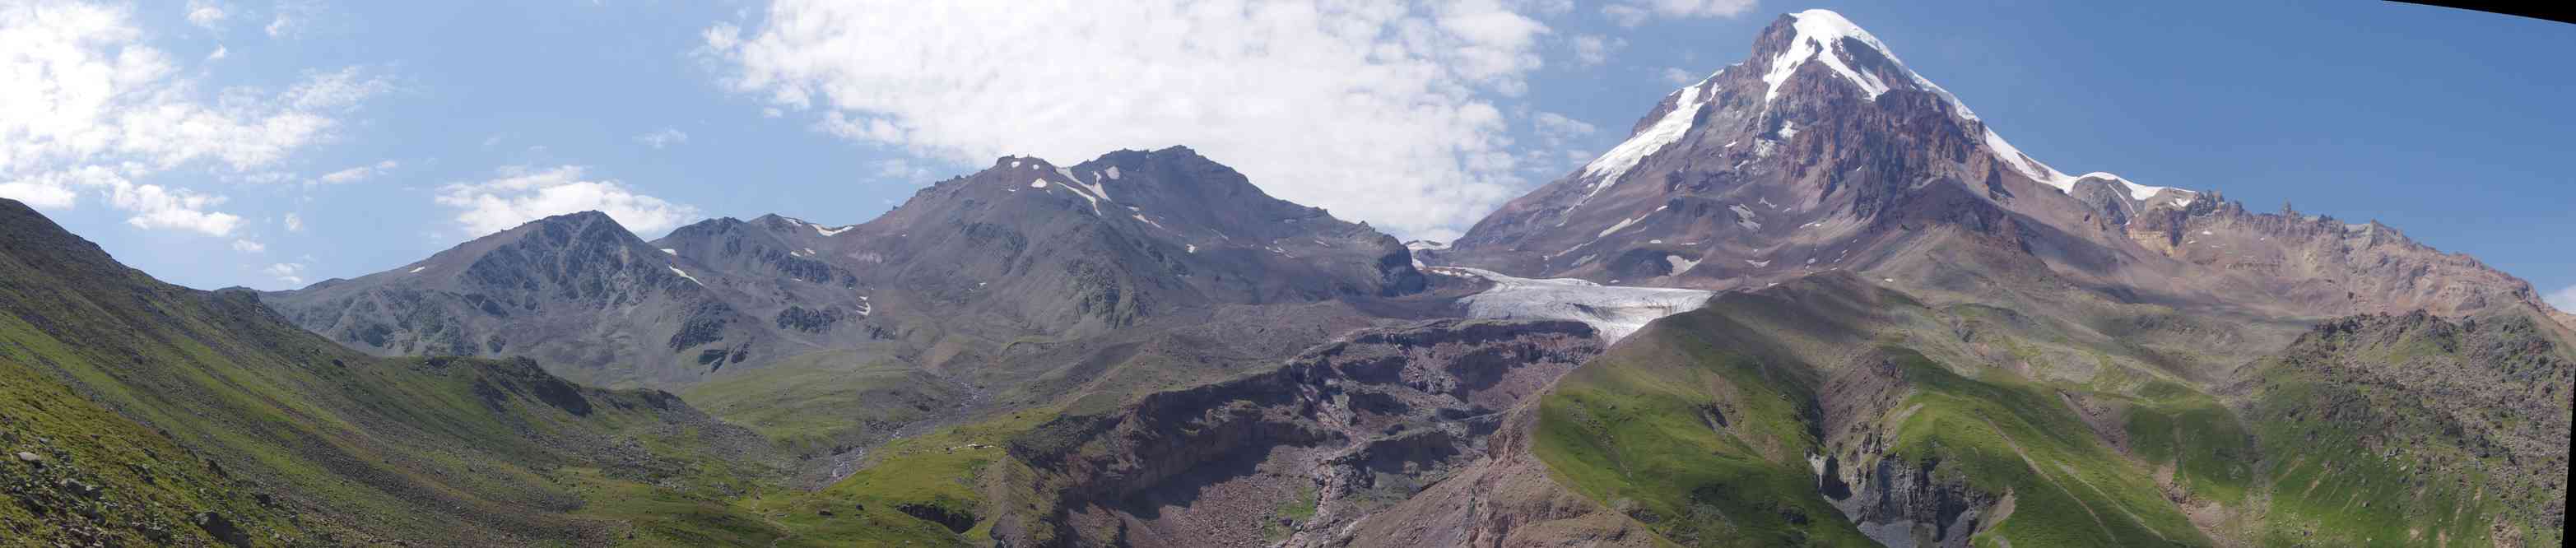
<point>1623,225</point>
<point>2137,191</point>
<point>2037,171</point>
<point>1615,164</point>
<point>1679,264</point>
<point>1615,311</point>
<point>685,274</point>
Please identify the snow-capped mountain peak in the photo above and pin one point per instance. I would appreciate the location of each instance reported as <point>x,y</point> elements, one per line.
<point>1821,36</point>
<point>1783,162</point>
<point>1818,35</point>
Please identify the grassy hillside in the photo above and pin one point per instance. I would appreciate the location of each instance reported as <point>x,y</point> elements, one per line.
<point>2415,430</point>
<point>1711,427</point>
<point>827,401</point>
<point>154,410</point>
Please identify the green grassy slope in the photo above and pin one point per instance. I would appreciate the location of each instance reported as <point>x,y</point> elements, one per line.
<point>826,401</point>
<point>79,473</point>
<point>2367,431</point>
<point>1634,430</point>
<point>2416,431</point>
<point>345,447</point>
<point>947,488</point>
<point>1702,425</point>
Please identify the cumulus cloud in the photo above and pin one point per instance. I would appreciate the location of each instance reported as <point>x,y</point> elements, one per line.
<point>148,206</point>
<point>1383,112</point>
<point>294,223</point>
<point>2564,299</point>
<point>291,273</point>
<point>156,207</point>
<point>1554,129</point>
<point>206,14</point>
<point>665,137</point>
<point>1593,49</point>
<point>247,246</point>
<point>88,106</point>
<point>519,194</point>
<point>1636,12</point>
<point>356,174</point>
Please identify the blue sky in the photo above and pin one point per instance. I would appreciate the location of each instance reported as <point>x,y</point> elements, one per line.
<point>341,139</point>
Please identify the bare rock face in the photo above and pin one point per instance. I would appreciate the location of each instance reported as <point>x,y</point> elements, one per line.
<point>1504,499</point>
<point>2320,265</point>
<point>1341,433</point>
<point>577,292</point>
<point>1117,241</point>
<point>1894,499</point>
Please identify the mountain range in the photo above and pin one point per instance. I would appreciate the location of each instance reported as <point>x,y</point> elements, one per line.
<point>1813,299</point>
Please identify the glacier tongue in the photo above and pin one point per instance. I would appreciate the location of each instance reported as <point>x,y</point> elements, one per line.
<point>1615,311</point>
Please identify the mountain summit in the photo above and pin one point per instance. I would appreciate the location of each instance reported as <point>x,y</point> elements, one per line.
<point>1023,248</point>
<point>1822,151</point>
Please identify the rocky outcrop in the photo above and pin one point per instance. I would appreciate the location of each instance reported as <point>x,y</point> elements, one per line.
<point>1298,454</point>
<point>1506,498</point>
<point>577,292</point>
<point>1901,501</point>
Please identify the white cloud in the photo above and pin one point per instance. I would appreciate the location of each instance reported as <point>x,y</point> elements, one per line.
<point>39,192</point>
<point>291,273</point>
<point>1636,12</point>
<point>294,223</point>
<point>219,54</point>
<point>157,207</point>
<point>283,26</point>
<point>1381,112</point>
<point>663,138</point>
<point>247,246</point>
<point>149,206</point>
<point>335,90</point>
<point>87,105</point>
<point>2564,299</point>
<point>521,193</point>
<point>1593,49</point>
<point>1625,15</point>
<point>1553,129</point>
<point>359,173</point>
<point>206,14</point>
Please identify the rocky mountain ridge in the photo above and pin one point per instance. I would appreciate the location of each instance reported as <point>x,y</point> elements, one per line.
<point>1823,151</point>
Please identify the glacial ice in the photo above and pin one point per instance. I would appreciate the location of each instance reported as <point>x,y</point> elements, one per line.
<point>1614,311</point>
